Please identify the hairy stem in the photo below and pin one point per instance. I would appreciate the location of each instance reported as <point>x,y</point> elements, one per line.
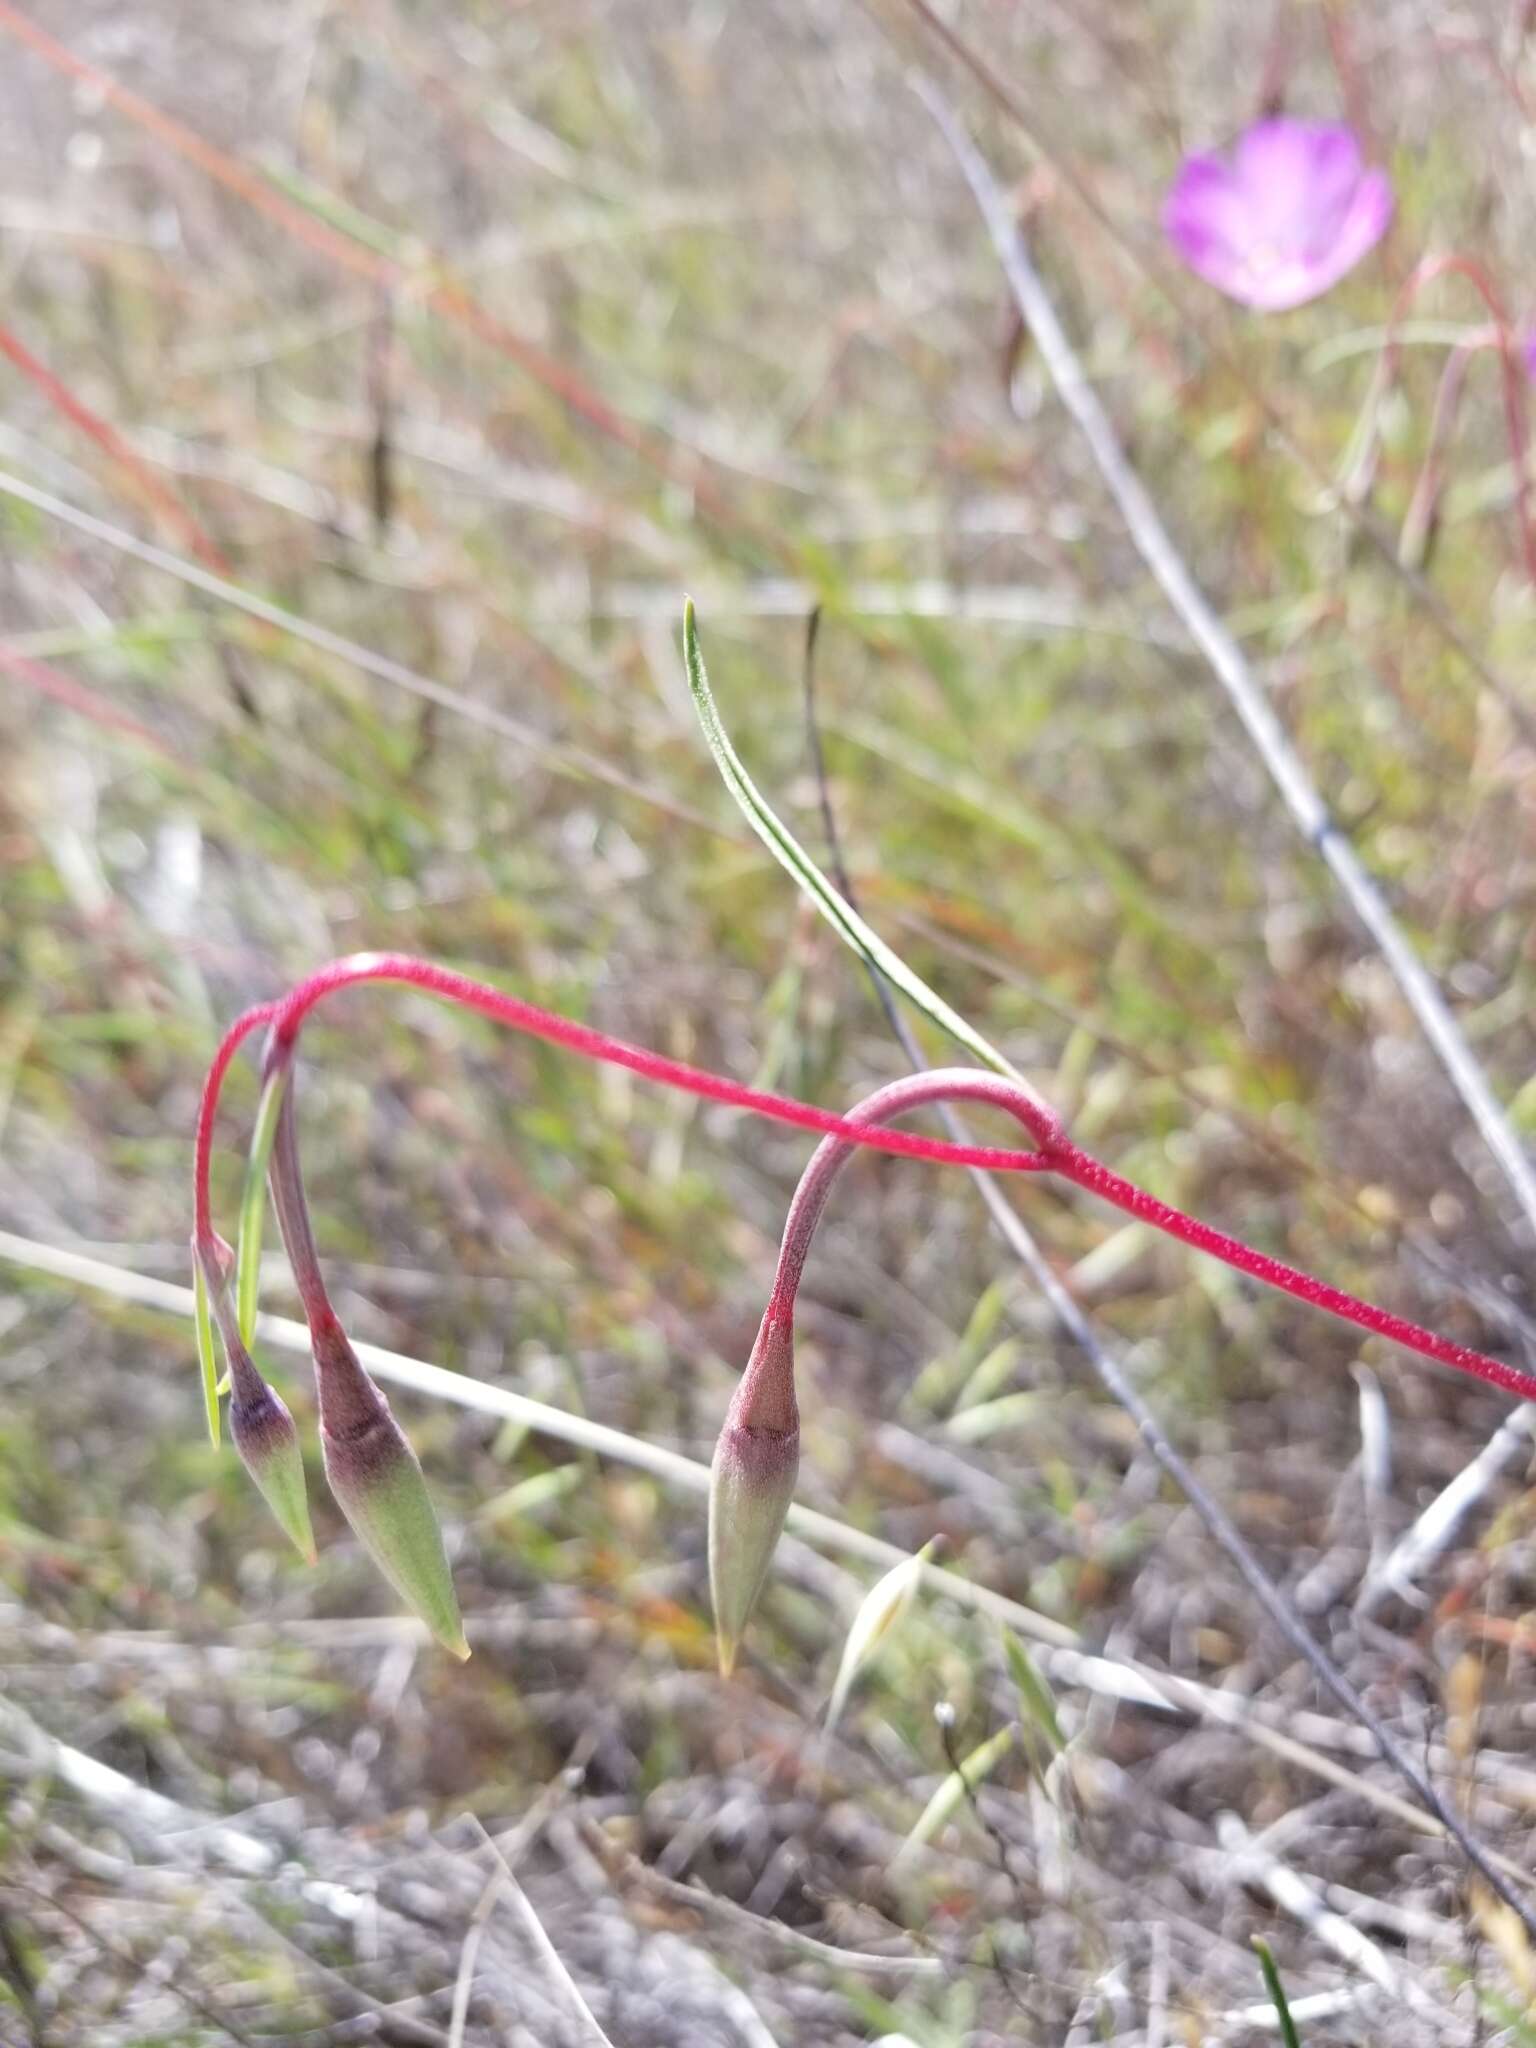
<point>897,1098</point>
<point>1055,1152</point>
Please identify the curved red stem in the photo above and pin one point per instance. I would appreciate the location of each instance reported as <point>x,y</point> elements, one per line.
<point>1055,1154</point>
<point>286,1016</point>
<point>1513,374</point>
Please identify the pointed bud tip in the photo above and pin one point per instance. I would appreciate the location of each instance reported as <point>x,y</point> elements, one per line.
<point>752,1479</point>
<point>377,1481</point>
<point>267,1442</point>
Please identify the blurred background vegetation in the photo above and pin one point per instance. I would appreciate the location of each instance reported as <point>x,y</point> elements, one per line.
<point>478,335</point>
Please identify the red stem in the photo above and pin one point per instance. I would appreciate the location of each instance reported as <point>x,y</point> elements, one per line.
<point>1514,379</point>
<point>292,1208</point>
<point>1419,519</point>
<point>1075,1165</point>
<point>78,697</point>
<point>1056,1153</point>
<point>287,1014</point>
<point>116,449</point>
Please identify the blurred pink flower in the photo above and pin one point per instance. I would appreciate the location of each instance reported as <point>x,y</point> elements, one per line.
<point>1284,218</point>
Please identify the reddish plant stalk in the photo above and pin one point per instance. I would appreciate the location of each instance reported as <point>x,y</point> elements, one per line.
<point>78,697</point>
<point>1056,1153</point>
<point>1072,1163</point>
<point>286,1016</point>
<point>447,299</point>
<point>116,450</point>
<point>1513,377</point>
<point>1423,507</point>
<point>292,1208</point>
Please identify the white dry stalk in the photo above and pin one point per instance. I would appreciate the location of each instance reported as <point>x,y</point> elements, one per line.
<point>1420,1545</point>
<point>139,1810</point>
<point>1064,1659</point>
<point>1230,666</point>
<point>1251,1863</point>
<point>1375,1456</point>
<point>469,1955</point>
<point>1028,611</point>
<point>504,1884</point>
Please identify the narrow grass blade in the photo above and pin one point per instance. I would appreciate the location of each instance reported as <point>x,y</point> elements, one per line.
<point>202,1319</point>
<point>792,856</point>
<point>1276,1989</point>
<point>879,1612</point>
<point>1035,1698</point>
<point>981,1762</point>
<point>253,1206</point>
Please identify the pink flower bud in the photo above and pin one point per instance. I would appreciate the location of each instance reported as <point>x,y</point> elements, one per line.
<point>751,1482</point>
<point>376,1478</point>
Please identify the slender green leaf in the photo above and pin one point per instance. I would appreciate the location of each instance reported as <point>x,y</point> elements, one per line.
<point>203,1323</point>
<point>1009,1411</point>
<point>879,1612</point>
<point>981,1762</point>
<point>792,856</point>
<point>253,1205</point>
<point>1035,1696</point>
<point>1288,2033</point>
<point>530,1496</point>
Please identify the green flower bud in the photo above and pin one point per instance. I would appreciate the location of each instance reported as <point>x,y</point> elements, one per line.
<point>752,1480</point>
<point>377,1480</point>
<point>268,1444</point>
<point>259,1422</point>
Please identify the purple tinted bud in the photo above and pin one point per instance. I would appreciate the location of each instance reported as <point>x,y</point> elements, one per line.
<point>268,1443</point>
<point>378,1484</point>
<point>263,1431</point>
<point>752,1480</point>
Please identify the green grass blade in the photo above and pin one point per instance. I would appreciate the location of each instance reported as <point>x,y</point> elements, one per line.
<point>1288,2034</point>
<point>202,1318</point>
<point>981,1762</point>
<point>1035,1696</point>
<point>792,856</point>
<point>253,1206</point>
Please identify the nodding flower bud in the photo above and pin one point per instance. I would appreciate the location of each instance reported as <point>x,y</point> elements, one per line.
<point>268,1444</point>
<point>263,1430</point>
<point>759,1449</point>
<point>377,1481</point>
<point>751,1482</point>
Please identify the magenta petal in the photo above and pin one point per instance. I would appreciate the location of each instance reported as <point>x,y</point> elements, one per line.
<point>1368,219</point>
<point>1203,217</point>
<point>1286,219</point>
<point>1297,178</point>
<point>1317,271</point>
